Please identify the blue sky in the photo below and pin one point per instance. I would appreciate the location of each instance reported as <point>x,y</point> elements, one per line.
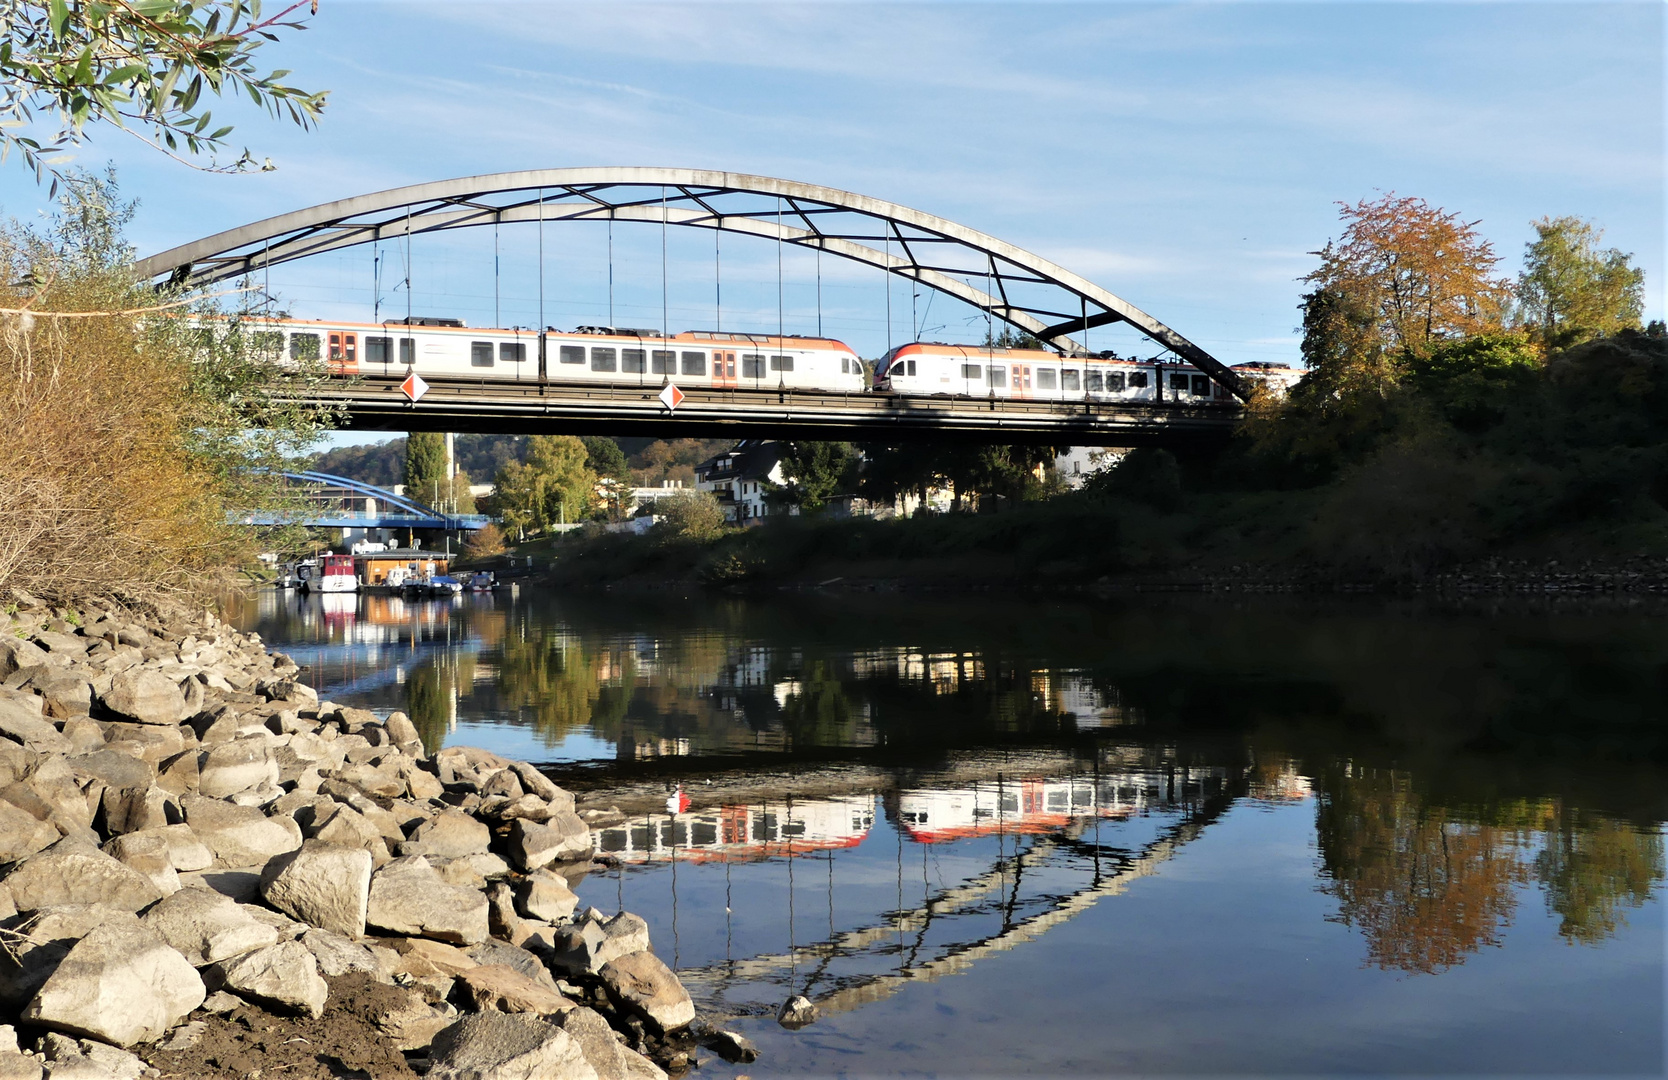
<point>1186,157</point>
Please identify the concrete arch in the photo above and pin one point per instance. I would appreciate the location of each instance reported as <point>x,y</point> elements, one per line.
<point>1020,288</point>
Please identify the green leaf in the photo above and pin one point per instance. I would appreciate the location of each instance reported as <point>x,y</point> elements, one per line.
<point>59,16</point>
<point>124,75</point>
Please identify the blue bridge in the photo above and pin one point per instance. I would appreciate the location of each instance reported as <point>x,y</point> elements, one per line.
<point>338,502</point>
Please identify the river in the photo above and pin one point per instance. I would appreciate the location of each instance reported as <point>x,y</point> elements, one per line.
<point>1002,836</point>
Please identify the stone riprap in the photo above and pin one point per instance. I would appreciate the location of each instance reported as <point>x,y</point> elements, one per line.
<point>185,829</point>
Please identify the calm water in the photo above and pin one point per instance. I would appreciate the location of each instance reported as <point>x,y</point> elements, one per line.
<point>1165,835</point>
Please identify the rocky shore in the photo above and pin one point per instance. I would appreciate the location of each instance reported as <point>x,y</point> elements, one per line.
<point>206,871</point>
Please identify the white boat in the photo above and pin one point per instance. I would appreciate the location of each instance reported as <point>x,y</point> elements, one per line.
<point>334,575</point>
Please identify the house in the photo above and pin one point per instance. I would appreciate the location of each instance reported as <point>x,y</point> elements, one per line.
<point>739,478</point>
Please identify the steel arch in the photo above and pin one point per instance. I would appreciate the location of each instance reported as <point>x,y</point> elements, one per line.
<point>1022,289</point>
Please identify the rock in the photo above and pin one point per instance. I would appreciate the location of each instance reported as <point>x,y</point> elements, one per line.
<point>121,983</point>
<point>50,793</point>
<point>21,722</point>
<point>502,955</point>
<point>643,986</point>
<point>219,1003</point>
<point>147,853</point>
<point>146,696</point>
<point>16,1066</point>
<point>205,927</point>
<point>796,1012</point>
<point>337,956</point>
<point>732,1047</point>
<point>115,768</point>
<point>419,956</point>
<point>239,835</point>
<point>84,734</point>
<point>70,1059</point>
<point>325,885</point>
<point>149,742</point>
<point>178,774</point>
<point>125,810</point>
<point>240,883</point>
<point>496,986</point>
<point>16,654</point>
<point>186,1035</point>
<point>73,871</point>
<point>545,896</point>
<point>451,835</point>
<point>602,1049</point>
<point>283,976</point>
<point>22,834</point>
<point>347,827</point>
<point>64,694</point>
<point>401,729</point>
<point>589,942</point>
<point>407,896</point>
<point>408,1021</point>
<point>504,1046</point>
<point>371,780</point>
<point>185,851</point>
<point>533,845</point>
<point>235,766</point>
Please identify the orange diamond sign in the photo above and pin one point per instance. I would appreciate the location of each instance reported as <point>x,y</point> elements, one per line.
<point>671,397</point>
<point>414,386</point>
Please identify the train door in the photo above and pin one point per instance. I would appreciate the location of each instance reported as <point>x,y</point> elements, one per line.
<point>1021,385</point>
<point>724,370</point>
<point>344,353</point>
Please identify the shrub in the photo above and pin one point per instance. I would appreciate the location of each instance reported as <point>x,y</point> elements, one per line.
<point>690,515</point>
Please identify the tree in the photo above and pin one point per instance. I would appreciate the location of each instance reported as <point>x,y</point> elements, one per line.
<point>1570,291</point>
<point>690,515</point>
<point>425,468</point>
<point>1404,277</point>
<point>485,542</point>
<point>140,66</point>
<point>553,486</point>
<point>605,458</point>
<point>817,472</point>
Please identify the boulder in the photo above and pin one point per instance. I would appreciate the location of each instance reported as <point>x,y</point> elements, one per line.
<point>73,871</point>
<point>370,780</point>
<point>589,941</point>
<point>125,810</point>
<point>502,955</point>
<point>283,976</point>
<point>545,896</point>
<point>408,1021</point>
<point>146,696</point>
<point>22,834</point>
<point>602,1048</point>
<point>147,741</point>
<point>185,851</point>
<point>533,845</point>
<point>178,774</point>
<point>84,734</point>
<point>50,793</point>
<point>63,693</point>
<point>732,1046</point>
<point>642,985</point>
<point>408,897</point>
<point>148,854</point>
<point>121,983</point>
<point>505,1046</point>
<point>337,956</point>
<point>239,835</point>
<point>796,1012</point>
<point>205,927</point>
<point>451,835</point>
<point>235,766</point>
<point>496,986</point>
<point>84,1059</point>
<point>115,768</point>
<point>21,721</point>
<point>16,1066</point>
<point>16,654</point>
<point>419,956</point>
<point>401,730</point>
<point>323,884</point>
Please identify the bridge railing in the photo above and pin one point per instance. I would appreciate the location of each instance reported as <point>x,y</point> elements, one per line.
<point>355,519</point>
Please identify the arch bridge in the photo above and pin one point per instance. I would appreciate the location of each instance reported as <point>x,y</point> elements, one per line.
<point>340,502</point>
<point>1011,285</point>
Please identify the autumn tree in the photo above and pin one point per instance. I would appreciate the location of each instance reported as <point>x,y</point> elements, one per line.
<point>1570,291</point>
<point>690,515</point>
<point>553,486</point>
<point>1402,279</point>
<point>141,66</point>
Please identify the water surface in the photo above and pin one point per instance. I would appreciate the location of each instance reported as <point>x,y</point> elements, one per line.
<point>1160,835</point>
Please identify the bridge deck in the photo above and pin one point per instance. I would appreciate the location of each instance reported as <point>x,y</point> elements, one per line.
<point>502,407</point>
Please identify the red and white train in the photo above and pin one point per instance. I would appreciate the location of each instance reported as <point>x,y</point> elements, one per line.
<point>612,356</point>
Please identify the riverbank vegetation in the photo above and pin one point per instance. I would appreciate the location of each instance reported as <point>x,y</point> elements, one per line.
<point>1448,415</point>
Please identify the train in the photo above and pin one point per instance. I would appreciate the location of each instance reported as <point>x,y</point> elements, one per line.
<point>712,359</point>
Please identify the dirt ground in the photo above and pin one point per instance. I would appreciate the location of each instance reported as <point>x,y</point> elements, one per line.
<point>250,1043</point>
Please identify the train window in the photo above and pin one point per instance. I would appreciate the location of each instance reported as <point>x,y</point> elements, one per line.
<point>602,359</point>
<point>512,351</point>
<point>1045,378</point>
<point>304,346</point>
<point>408,351</point>
<point>694,363</point>
<point>752,365</point>
<point>972,371</point>
<point>1201,386</point>
<point>1178,381</point>
<point>1069,380</point>
<point>1138,380</point>
<point>998,375</point>
<point>268,344</point>
<point>573,354</point>
<point>480,354</point>
<point>663,362</point>
<point>785,363</point>
<point>378,350</point>
<point>633,361</point>
<point>1091,382</point>
<point>1115,381</point>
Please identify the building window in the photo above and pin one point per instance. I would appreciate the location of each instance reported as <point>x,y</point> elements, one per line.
<point>480,354</point>
<point>304,346</point>
<point>379,350</point>
<point>1045,378</point>
<point>663,362</point>
<point>694,363</point>
<point>781,363</point>
<point>512,352</point>
<point>603,359</point>
<point>572,354</point>
<point>632,361</point>
<point>752,365</point>
<point>1068,380</point>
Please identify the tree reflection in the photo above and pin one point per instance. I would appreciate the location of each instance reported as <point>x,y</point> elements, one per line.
<point>1594,868</point>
